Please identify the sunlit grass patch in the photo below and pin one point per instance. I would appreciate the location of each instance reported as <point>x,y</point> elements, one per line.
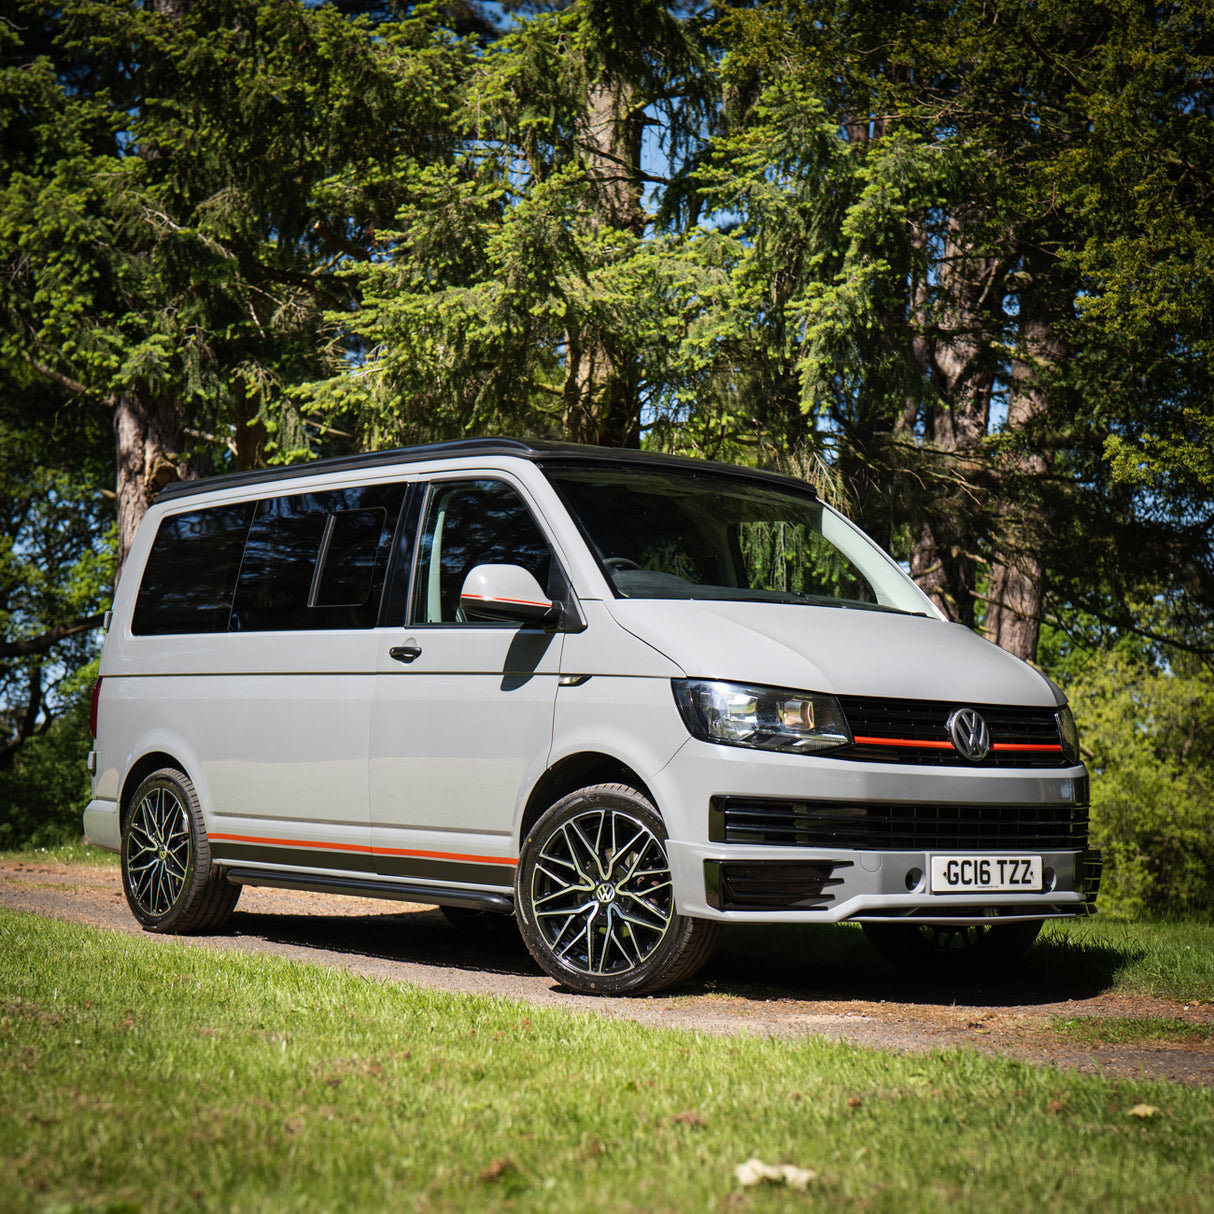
<point>145,1072</point>
<point>65,853</point>
<point>1126,1030</point>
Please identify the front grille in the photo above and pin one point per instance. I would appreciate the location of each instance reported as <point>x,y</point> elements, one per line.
<point>897,827</point>
<point>915,732</point>
<point>764,885</point>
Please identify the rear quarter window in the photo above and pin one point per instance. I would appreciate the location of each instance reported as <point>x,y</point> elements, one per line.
<point>190,575</point>
<point>287,563</point>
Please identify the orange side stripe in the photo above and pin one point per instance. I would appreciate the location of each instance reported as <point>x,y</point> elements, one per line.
<point>443,855</point>
<point>368,851</point>
<point>354,847</point>
<point>480,598</point>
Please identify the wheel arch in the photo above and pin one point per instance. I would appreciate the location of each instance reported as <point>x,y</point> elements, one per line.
<point>578,771</point>
<point>137,773</point>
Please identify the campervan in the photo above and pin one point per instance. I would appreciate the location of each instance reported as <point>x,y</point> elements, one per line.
<point>625,698</point>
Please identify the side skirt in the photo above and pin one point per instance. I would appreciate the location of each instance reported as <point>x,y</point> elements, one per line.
<point>438,895</point>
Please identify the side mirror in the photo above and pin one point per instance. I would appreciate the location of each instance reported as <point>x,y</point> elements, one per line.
<point>506,592</point>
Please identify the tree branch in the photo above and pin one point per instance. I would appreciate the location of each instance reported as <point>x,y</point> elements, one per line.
<point>69,384</point>
<point>49,639</point>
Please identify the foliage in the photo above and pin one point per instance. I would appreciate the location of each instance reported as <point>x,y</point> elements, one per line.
<point>952,263</point>
<point>522,285</point>
<point>938,215</point>
<point>140,1072</point>
<point>56,573</point>
<point>166,261</point>
<point>45,788</point>
<point>1148,737</point>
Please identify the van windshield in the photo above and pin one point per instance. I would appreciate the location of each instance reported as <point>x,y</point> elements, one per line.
<point>663,533</point>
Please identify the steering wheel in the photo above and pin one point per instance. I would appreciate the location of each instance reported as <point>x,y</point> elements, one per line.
<point>618,564</point>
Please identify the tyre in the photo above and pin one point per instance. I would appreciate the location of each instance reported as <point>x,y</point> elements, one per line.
<point>951,951</point>
<point>170,883</point>
<point>595,899</point>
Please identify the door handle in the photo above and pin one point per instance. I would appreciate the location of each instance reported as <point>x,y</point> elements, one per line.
<point>404,653</point>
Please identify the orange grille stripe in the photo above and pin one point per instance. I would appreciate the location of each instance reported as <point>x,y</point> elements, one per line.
<point>1052,747</point>
<point>902,742</point>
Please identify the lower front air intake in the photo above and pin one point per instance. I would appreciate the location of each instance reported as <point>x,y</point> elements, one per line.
<point>771,885</point>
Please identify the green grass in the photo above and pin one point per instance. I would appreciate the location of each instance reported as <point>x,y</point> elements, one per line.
<point>65,853</point>
<point>144,1074</point>
<point>1126,1030</point>
<point>1167,960</point>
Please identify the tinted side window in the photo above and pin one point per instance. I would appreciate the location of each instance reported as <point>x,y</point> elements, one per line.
<point>191,571</point>
<point>471,523</point>
<point>317,560</point>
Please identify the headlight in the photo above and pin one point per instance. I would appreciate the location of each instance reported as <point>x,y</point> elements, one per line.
<point>1068,731</point>
<point>769,718</point>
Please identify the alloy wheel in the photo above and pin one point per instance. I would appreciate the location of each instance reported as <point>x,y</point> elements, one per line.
<point>158,851</point>
<point>602,893</point>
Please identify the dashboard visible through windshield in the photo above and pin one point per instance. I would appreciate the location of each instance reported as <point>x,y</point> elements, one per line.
<point>668,534</point>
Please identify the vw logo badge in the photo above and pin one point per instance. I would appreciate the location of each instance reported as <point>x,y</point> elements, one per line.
<point>970,735</point>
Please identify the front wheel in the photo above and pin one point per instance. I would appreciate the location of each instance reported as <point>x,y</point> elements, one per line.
<point>595,897</point>
<point>951,951</point>
<point>170,883</point>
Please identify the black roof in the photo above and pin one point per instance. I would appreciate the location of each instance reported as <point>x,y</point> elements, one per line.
<point>537,450</point>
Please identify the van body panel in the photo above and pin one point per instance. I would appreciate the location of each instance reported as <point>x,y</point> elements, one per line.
<point>607,646</point>
<point>270,727</point>
<point>629,719</point>
<point>457,736</point>
<point>836,650</point>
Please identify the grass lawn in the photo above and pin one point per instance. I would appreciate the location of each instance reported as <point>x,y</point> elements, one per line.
<point>141,1074</point>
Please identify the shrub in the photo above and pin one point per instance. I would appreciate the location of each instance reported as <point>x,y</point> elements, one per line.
<point>44,792</point>
<point>1148,740</point>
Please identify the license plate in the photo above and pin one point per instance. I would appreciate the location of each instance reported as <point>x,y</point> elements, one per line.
<point>986,874</point>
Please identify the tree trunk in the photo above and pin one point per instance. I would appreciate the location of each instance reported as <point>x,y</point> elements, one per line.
<point>248,433</point>
<point>1013,617</point>
<point>956,357</point>
<point>602,385</point>
<point>148,434</point>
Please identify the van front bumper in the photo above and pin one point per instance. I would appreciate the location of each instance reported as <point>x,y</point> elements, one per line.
<point>764,838</point>
<point>763,885</point>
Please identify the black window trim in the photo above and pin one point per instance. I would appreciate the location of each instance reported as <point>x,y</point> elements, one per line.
<point>572,617</point>
<point>255,503</point>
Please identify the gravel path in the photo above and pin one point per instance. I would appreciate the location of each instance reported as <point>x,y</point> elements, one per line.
<point>741,989</point>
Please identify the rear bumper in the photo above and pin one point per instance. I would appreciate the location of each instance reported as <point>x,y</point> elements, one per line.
<point>101,825</point>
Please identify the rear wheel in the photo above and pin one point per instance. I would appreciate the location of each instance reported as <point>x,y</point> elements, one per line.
<point>951,950</point>
<point>595,897</point>
<point>170,882</point>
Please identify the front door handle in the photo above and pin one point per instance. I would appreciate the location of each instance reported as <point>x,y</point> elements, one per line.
<point>405,653</point>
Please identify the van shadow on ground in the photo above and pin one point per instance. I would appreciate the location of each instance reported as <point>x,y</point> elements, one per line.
<point>804,963</point>
<point>828,962</point>
<point>420,938</point>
